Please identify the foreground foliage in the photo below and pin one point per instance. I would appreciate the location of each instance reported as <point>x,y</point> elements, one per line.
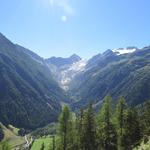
<point>113,128</point>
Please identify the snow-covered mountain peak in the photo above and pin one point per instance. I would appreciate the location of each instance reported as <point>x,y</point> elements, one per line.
<point>78,66</point>
<point>121,51</point>
<point>68,74</point>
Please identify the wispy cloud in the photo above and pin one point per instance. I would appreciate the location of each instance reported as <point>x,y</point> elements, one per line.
<point>65,6</point>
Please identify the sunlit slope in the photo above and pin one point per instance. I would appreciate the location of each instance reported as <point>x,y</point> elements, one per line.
<point>125,75</point>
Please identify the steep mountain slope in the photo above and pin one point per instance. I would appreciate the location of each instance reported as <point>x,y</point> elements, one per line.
<point>65,69</point>
<point>29,96</point>
<point>125,75</point>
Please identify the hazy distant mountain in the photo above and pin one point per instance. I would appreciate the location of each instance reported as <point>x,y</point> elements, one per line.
<point>60,62</point>
<point>126,74</point>
<point>29,96</point>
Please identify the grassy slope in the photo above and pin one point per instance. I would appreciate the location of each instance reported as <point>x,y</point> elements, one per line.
<point>13,129</point>
<point>12,138</point>
<point>38,143</point>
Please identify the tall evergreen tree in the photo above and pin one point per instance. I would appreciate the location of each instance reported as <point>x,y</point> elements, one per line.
<point>132,129</point>
<point>53,144</point>
<point>120,122</point>
<point>80,129</point>
<point>89,130</point>
<point>146,118</point>
<point>67,130</point>
<point>63,126</point>
<point>73,134</point>
<point>106,130</point>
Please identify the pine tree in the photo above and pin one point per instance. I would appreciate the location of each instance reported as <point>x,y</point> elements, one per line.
<point>106,129</point>
<point>66,130</point>
<point>89,130</point>
<point>63,127</point>
<point>53,145</point>
<point>72,134</point>
<point>120,122</point>
<point>80,129</point>
<point>132,129</point>
<point>146,118</point>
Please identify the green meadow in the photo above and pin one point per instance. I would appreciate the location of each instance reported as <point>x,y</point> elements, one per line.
<point>38,143</point>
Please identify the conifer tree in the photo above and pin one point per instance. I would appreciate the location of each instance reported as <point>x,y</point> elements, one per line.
<point>67,130</point>
<point>106,130</point>
<point>146,118</point>
<point>89,130</point>
<point>73,134</point>
<point>80,129</point>
<point>53,144</point>
<point>120,122</point>
<point>63,126</point>
<point>132,129</point>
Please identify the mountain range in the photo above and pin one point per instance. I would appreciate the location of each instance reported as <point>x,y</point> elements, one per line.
<point>32,89</point>
<point>126,75</point>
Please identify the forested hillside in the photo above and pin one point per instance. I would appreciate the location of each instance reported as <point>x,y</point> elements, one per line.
<point>29,96</point>
<point>125,75</point>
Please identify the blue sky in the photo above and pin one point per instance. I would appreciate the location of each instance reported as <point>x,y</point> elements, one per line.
<point>85,27</point>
